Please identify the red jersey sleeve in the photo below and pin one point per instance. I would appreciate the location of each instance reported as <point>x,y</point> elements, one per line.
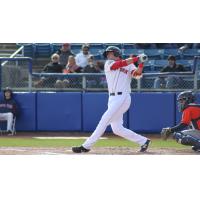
<point>119,64</point>
<point>135,59</point>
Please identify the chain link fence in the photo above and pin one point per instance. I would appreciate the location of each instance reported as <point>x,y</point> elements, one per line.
<point>17,73</point>
<point>97,82</point>
<point>167,82</point>
<point>80,81</point>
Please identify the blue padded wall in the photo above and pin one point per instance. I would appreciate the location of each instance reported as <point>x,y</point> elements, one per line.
<point>59,111</point>
<point>26,120</point>
<point>94,106</point>
<point>76,111</point>
<point>27,116</point>
<point>150,112</point>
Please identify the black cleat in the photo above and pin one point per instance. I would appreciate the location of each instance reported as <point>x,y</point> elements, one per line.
<point>195,149</point>
<point>145,146</point>
<point>80,149</point>
<point>9,133</point>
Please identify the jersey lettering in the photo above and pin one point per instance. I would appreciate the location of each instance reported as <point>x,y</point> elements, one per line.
<point>124,70</point>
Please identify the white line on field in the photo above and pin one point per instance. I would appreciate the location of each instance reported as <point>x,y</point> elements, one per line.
<point>66,138</point>
<point>52,153</point>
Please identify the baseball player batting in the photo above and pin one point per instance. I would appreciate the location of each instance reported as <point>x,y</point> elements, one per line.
<point>118,75</point>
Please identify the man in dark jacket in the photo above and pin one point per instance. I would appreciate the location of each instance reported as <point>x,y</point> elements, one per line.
<point>8,108</point>
<point>92,67</point>
<point>170,81</point>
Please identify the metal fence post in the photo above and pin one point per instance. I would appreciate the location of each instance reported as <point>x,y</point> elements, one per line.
<point>30,76</point>
<point>196,59</point>
<point>139,84</point>
<point>84,82</point>
<point>196,80</point>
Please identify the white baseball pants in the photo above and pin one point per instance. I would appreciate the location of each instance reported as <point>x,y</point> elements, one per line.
<point>9,118</point>
<point>117,106</point>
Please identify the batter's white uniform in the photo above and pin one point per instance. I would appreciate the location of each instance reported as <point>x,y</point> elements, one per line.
<point>119,102</point>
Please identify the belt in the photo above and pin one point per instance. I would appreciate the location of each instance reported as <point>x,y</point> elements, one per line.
<point>118,93</point>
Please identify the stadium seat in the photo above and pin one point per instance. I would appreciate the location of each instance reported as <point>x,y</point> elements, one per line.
<point>128,52</point>
<point>76,46</point>
<point>128,45</point>
<point>119,45</point>
<point>149,66</point>
<point>190,53</point>
<point>147,69</point>
<point>56,47</point>
<point>43,50</point>
<point>97,56</point>
<point>96,51</point>
<point>29,49</point>
<point>154,53</point>
<point>173,52</point>
<point>159,64</point>
<point>76,51</point>
<point>96,46</point>
<point>188,68</point>
<point>186,63</point>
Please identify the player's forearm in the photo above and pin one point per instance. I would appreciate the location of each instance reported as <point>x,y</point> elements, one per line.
<point>178,127</point>
<point>138,71</point>
<point>132,60</point>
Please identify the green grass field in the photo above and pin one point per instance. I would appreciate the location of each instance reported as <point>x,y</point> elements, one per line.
<point>110,142</point>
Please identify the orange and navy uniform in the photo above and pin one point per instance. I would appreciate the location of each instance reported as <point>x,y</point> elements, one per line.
<point>190,116</point>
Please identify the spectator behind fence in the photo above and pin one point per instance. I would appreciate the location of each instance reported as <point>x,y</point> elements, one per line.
<point>9,109</point>
<point>53,67</point>
<point>170,81</point>
<point>103,82</point>
<point>82,57</point>
<point>64,52</point>
<point>92,67</point>
<point>71,67</point>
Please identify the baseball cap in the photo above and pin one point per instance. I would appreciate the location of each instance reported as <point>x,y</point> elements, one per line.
<point>170,57</point>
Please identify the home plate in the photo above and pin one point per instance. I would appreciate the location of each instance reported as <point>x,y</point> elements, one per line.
<point>66,138</point>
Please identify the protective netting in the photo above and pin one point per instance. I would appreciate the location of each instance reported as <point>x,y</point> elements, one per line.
<point>69,82</point>
<point>15,74</point>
